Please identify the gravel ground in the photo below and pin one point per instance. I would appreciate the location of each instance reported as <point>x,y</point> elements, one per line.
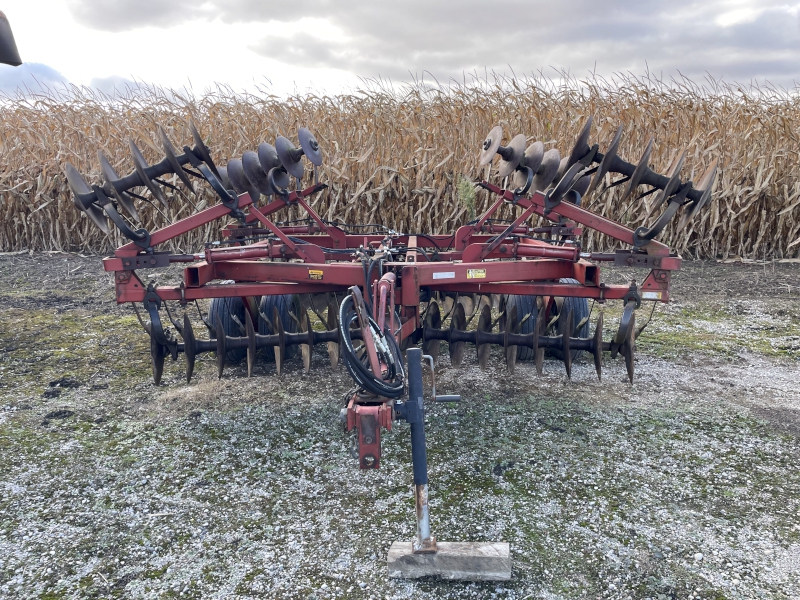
<point>682,485</point>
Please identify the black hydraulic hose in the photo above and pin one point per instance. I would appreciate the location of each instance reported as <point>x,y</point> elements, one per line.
<point>361,374</point>
<point>367,274</point>
<point>368,280</point>
<point>365,378</point>
<point>435,242</point>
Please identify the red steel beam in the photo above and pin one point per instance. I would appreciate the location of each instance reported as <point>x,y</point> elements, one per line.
<point>204,217</point>
<point>136,292</point>
<point>579,215</point>
<point>602,292</point>
<point>335,274</point>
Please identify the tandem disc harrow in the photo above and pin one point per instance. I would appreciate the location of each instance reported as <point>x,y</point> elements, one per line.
<point>521,284</point>
<point>513,283</point>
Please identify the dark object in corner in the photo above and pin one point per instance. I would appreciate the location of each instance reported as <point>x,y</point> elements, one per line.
<point>8,47</point>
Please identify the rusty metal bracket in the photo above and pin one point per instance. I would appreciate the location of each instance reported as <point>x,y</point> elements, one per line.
<point>633,295</point>
<point>367,414</point>
<point>624,258</point>
<point>155,260</point>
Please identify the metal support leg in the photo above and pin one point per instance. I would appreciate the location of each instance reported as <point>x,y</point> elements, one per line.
<point>415,415</point>
<point>422,557</point>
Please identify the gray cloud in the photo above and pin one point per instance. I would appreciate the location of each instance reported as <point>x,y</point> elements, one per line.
<point>391,39</point>
<point>34,78</point>
<point>122,15</point>
<point>29,77</point>
<point>117,86</point>
<point>114,85</point>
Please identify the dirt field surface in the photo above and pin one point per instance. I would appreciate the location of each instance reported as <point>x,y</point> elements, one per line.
<point>683,485</point>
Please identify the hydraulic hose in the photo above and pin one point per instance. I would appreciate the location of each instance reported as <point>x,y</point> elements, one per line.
<point>388,352</point>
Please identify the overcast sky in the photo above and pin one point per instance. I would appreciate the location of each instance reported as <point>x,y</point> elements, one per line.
<point>328,45</point>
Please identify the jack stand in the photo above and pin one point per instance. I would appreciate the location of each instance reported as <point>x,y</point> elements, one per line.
<point>424,557</point>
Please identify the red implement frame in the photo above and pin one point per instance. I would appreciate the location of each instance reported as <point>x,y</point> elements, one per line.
<point>481,258</point>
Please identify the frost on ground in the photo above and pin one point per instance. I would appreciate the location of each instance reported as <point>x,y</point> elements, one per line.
<point>682,485</point>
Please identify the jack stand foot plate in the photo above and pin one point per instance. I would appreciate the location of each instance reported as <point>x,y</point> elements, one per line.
<point>470,561</point>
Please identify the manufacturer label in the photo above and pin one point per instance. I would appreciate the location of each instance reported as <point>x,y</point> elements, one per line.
<point>476,273</point>
<point>651,295</point>
<point>445,275</point>
<point>315,274</point>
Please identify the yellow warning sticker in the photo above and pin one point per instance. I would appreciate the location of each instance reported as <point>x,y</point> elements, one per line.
<point>651,295</point>
<point>315,274</point>
<point>476,273</point>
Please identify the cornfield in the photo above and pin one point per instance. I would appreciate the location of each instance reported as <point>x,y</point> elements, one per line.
<point>400,158</point>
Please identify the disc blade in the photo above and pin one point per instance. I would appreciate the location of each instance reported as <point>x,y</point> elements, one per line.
<point>582,185</point>
<point>581,146</point>
<point>533,156</point>
<point>625,327</point>
<point>255,173</point>
<point>597,347</point>
<point>126,202</point>
<point>157,355</point>
<point>223,175</point>
<point>516,149</point>
<point>289,158</point>
<point>608,158</point>
<point>484,325</point>
<point>547,170</point>
<point>140,164</point>
<point>239,181</point>
<point>305,349</point>
<point>110,177</point>
<point>172,158</point>
<point>83,198</point>
<point>532,159</point>
<point>433,321</point>
<point>705,184</point>
<point>633,183</point>
<point>490,145</point>
<point>628,348</point>
<point>457,322</point>
<point>565,323</point>
<point>281,178</point>
<point>76,181</point>
<point>447,304</point>
<point>563,165</point>
<point>538,331</point>
<point>201,148</point>
<point>674,173</point>
<point>221,351</point>
<point>98,217</point>
<point>510,350</point>
<point>268,156</point>
<point>469,304</point>
<point>280,348</point>
<point>189,346</point>
<point>310,146</point>
<point>333,325</point>
<point>236,176</point>
<point>251,342</point>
